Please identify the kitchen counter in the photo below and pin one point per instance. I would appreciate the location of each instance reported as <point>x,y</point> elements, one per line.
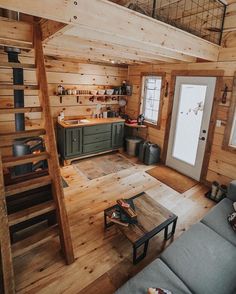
<point>97,136</point>
<point>93,122</point>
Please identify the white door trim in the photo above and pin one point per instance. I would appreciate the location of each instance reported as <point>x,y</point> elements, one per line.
<point>183,167</point>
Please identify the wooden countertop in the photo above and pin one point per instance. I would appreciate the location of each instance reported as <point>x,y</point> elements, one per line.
<point>92,122</point>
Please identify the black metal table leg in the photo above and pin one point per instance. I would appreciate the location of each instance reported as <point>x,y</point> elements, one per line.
<point>140,257</point>
<point>167,235</point>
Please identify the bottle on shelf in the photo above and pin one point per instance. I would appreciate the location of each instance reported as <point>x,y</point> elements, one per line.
<point>61,116</point>
<point>123,88</point>
<point>60,90</point>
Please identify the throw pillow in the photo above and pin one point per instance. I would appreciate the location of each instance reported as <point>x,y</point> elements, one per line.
<point>158,291</point>
<point>234,205</point>
<point>232,220</point>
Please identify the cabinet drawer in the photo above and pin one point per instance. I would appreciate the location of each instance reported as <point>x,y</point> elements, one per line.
<point>97,138</point>
<point>95,147</point>
<point>97,129</point>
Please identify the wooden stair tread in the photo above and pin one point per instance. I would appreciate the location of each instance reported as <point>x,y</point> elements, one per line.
<point>34,241</point>
<point>20,110</point>
<point>18,87</point>
<point>16,65</point>
<point>7,139</point>
<point>31,212</point>
<point>27,185</point>
<point>10,161</point>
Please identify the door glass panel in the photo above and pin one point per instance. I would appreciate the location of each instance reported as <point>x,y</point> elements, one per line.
<point>188,122</point>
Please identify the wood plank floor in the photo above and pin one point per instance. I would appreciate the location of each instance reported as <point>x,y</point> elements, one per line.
<point>103,258</point>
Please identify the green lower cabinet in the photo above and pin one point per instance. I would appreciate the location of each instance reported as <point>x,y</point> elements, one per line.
<point>73,142</point>
<point>78,141</point>
<point>117,135</point>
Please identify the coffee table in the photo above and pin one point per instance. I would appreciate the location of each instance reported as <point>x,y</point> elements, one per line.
<point>152,218</point>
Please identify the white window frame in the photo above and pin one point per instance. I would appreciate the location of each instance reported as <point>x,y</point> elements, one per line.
<point>157,121</point>
<point>233,130</point>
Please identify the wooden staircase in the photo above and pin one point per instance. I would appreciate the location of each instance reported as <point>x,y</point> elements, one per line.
<point>52,177</point>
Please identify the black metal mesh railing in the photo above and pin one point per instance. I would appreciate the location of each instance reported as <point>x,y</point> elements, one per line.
<point>203,18</point>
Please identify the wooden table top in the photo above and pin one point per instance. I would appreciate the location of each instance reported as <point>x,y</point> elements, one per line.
<point>151,217</point>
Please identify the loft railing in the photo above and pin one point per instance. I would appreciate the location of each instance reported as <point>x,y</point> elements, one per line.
<point>203,18</point>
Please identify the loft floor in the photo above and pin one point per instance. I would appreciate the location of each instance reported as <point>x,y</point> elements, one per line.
<point>103,259</point>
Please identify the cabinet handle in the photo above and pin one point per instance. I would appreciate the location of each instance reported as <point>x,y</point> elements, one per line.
<point>74,140</point>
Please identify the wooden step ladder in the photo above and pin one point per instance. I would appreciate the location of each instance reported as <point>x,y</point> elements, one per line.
<point>53,178</point>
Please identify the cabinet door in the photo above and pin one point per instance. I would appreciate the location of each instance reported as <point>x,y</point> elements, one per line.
<point>117,135</point>
<point>73,142</point>
<point>61,140</point>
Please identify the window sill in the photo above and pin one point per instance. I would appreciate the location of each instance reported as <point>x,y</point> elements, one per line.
<point>229,148</point>
<point>152,125</point>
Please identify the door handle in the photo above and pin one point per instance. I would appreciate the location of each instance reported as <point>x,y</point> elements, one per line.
<point>202,138</point>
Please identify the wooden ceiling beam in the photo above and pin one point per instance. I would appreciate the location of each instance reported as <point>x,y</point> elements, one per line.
<point>103,16</point>
<point>91,55</point>
<point>65,42</point>
<point>114,40</point>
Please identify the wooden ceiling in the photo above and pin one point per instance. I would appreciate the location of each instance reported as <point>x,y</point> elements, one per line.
<point>102,31</point>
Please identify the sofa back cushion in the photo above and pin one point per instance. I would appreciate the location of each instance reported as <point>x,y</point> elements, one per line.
<point>231,194</point>
<point>204,260</point>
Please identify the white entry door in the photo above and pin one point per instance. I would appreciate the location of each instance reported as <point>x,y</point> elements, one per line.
<point>193,100</point>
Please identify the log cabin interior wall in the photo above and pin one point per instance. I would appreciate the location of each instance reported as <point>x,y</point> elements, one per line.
<point>222,165</point>
<point>72,74</point>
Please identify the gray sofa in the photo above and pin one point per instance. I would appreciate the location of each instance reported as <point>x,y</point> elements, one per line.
<point>201,261</point>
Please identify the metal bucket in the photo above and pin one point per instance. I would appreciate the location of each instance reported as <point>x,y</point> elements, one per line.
<point>132,145</point>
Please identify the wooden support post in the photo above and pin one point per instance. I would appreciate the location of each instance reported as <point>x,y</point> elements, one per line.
<point>5,243</point>
<point>53,163</point>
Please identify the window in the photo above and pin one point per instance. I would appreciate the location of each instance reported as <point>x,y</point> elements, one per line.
<point>151,98</point>
<point>232,141</point>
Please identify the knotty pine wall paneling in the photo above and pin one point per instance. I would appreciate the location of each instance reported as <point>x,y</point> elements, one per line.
<point>70,74</point>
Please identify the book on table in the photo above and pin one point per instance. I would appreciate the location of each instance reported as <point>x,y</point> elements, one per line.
<point>120,215</point>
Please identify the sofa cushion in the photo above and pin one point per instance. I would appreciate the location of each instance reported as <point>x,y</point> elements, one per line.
<point>232,220</point>
<point>157,274</point>
<point>216,219</point>
<point>203,260</point>
<point>232,191</point>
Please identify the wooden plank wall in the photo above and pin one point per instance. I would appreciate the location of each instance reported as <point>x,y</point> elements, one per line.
<point>222,166</point>
<point>68,73</point>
